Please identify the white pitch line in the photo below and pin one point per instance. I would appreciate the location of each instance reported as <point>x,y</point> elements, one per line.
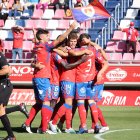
<point>98,136</point>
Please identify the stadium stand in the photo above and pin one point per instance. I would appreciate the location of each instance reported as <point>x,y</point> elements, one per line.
<point>49,20</point>
<point>48,14</point>
<point>59,14</point>
<point>131,13</point>
<point>136,59</point>
<point>114,58</point>
<point>127,58</point>
<point>37,14</point>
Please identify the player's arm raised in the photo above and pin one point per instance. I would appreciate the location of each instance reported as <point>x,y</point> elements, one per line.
<point>64,35</point>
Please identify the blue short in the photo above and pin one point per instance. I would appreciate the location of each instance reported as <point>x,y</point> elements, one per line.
<point>68,89</point>
<point>83,89</point>
<point>42,89</point>
<point>96,92</point>
<point>55,89</point>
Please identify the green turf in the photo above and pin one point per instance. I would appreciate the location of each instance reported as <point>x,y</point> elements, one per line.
<point>124,123</point>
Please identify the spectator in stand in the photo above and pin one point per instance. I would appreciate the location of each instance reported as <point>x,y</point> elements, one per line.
<point>4,10</point>
<point>132,37</point>
<point>18,33</point>
<point>59,4</point>
<point>79,3</point>
<point>85,2</point>
<point>43,4</point>
<point>17,10</point>
<point>28,7</point>
<point>72,3</point>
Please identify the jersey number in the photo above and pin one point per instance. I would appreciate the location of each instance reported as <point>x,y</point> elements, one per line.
<point>89,65</point>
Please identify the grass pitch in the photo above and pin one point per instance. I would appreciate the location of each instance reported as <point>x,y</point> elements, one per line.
<point>124,123</point>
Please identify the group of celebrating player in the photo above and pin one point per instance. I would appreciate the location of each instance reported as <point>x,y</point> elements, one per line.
<point>68,73</point>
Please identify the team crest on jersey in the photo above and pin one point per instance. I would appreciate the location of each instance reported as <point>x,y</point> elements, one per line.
<point>83,90</point>
<point>68,89</point>
<point>55,94</point>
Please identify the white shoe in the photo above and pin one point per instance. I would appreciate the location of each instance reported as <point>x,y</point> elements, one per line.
<point>53,127</point>
<point>50,132</point>
<point>27,128</point>
<point>70,130</point>
<point>104,129</point>
<point>91,131</point>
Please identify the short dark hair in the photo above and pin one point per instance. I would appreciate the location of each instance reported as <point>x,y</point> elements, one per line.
<point>72,36</point>
<point>41,31</point>
<point>84,35</point>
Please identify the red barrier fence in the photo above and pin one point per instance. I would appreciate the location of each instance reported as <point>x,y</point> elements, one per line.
<point>110,97</point>
<point>119,74</point>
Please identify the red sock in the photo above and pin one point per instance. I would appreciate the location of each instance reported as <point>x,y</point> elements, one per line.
<point>59,114</point>
<point>46,113</point>
<point>34,110</point>
<point>68,116</point>
<point>82,114</point>
<point>101,117</point>
<point>94,112</point>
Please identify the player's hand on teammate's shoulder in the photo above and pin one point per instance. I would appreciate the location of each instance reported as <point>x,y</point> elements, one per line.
<point>84,58</point>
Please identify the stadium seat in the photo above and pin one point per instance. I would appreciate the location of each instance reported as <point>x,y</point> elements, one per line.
<point>131,13</point>
<point>136,59</point>
<point>48,14</point>
<point>136,4</point>
<point>119,35</point>
<point>52,24</point>
<point>111,46</point>
<point>8,55</point>
<point>28,35</point>
<point>138,47</point>
<point>114,58</point>
<point>40,23</point>
<point>55,34</point>
<point>37,14</point>
<point>29,24</point>
<point>121,46</point>
<point>20,22</point>
<point>6,34</point>
<point>124,23</point>
<point>9,24</point>
<point>8,45</point>
<point>59,14</point>
<point>127,58</point>
<point>1,22</point>
<point>63,25</point>
<point>27,46</point>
